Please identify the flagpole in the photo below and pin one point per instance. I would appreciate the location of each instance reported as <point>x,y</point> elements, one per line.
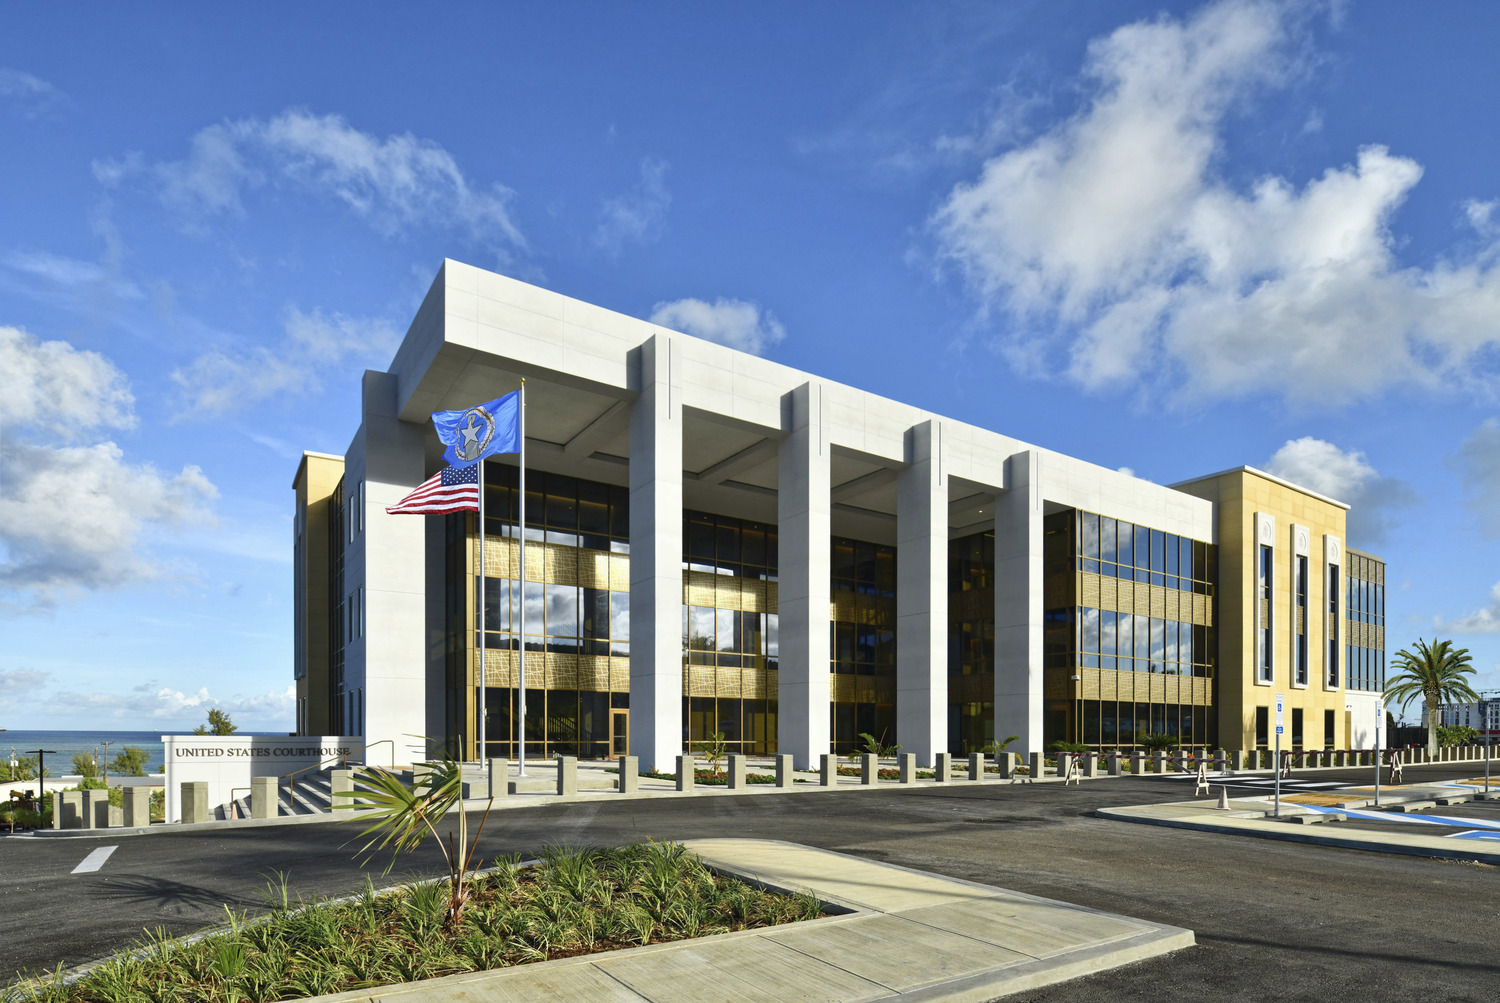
<point>483,618</point>
<point>521,456</point>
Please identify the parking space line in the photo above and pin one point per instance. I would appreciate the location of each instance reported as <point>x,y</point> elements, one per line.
<point>95,860</point>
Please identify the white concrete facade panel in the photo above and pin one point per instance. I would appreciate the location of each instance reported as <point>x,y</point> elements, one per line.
<point>656,559</point>
<point>804,527</point>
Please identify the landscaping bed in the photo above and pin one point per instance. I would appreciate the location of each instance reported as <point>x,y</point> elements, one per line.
<point>573,902</point>
<point>712,778</point>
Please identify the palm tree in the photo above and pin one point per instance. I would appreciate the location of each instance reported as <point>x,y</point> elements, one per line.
<point>1436,674</point>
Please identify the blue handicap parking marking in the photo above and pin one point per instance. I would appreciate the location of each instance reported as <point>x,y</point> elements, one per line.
<point>1478,834</point>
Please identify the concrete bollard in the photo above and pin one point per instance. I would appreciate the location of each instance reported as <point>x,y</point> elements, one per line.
<point>1007,763</point>
<point>1090,764</point>
<point>785,777</point>
<point>92,799</point>
<point>1137,763</point>
<point>687,767</point>
<point>339,781</point>
<point>908,765</point>
<point>1114,764</point>
<point>68,807</point>
<point>497,778</point>
<point>1158,763</point>
<point>976,766</point>
<point>869,769</point>
<point>1037,766</point>
<point>194,801</point>
<point>630,773</point>
<point>98,809</point>
<point>942,767</point>
<point>1061,759</point>
<point>1237,760</point>
<point>138,806</point>
<point>265,801</point>
<point>828,770</point>
<point>737,772</point>
<point>567,776</point>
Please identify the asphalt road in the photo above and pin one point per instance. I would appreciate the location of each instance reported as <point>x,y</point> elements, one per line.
<point>1274,920</point>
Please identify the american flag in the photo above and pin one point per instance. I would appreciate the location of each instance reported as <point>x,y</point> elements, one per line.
<point>451,490</point>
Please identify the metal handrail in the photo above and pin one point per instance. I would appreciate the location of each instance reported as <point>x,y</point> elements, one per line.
<point>235,804</point>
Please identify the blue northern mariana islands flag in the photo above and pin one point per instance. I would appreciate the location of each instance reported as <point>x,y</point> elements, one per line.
<point>480,431</point>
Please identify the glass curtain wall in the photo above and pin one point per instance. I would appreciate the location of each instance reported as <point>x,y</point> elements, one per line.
<point>971,643</point>
<point>729,632</point>
<point>1130,641</point>
<point>1364,650</point>
<point>862,644</point>
<point>577,612</point>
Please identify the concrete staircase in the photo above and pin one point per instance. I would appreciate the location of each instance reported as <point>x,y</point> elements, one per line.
<point>311,794</point>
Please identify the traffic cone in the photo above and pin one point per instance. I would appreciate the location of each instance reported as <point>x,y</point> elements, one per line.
<point>1224,798</point>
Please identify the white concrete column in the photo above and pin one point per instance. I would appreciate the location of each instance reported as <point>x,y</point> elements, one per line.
<point>805,532</point>
<point>387,656</point>
<point>656,557</point>
<point>1018,603</point>
<point>922,595</point>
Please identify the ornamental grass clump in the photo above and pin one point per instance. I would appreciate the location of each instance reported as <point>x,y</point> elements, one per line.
<point>575,900</point>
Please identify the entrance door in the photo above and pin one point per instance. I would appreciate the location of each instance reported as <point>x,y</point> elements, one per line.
<point>619,732</point>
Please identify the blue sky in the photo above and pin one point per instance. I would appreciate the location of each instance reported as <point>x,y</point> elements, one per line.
<point>1175,239</point>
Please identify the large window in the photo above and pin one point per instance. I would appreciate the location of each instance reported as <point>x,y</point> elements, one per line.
<point>1300,623</point>
<point>1364,626</point>
<point>1333,626</point>
<point>1122,598</point>
<point>1264,647</point>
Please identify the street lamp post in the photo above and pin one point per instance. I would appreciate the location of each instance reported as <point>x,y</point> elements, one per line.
<point>41,773</point>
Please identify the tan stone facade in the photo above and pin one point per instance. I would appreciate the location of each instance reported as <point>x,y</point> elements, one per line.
<point>1256,510</point>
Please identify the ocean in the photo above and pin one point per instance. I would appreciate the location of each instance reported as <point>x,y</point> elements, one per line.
<point>62,745</point>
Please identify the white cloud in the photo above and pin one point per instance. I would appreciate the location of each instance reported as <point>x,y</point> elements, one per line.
<point>273,708</point>
<point>28,94</point>
<point>1485,620</point>
<point>19,684</point>
<point>70,273</point>
<point>735,323</point>
<point>637,215</point>
<point>1347,477</point>
<point>72,516</point>
<point>396,183</point>
<point>1479,459</point>
<point>1125,258</point>
<point>218,382</point>
<point>53,384</point>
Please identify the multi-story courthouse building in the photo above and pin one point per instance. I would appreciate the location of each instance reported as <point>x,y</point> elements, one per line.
<point>718,543</point>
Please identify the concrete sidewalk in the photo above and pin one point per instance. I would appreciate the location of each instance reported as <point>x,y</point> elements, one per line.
<point>906,935</point>
<point>1248,817</point>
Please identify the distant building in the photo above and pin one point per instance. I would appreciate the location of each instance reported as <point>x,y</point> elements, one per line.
<point>718,543</point>
<point>1481,716</point>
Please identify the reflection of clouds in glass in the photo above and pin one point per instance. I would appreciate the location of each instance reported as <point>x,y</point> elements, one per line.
<point>1158,641</point>
<point>727,623</point>
<point>701,627</point>
<point>619,616</point>
<point>1107,633</point>
<point>562,610</point>
<point>536,607</point>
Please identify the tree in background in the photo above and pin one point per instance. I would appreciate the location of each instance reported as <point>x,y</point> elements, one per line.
<point>130,761</point>
<point>84,765</point>
<point>25,768</point>
<point>1436,673</point>
<point>218,724</point>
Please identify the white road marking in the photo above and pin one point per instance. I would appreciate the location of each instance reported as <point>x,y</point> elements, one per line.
<point>95,860</point>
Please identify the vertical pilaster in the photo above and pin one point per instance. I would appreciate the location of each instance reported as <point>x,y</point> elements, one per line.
<point>656,558</point>
<point>1018,603</point>
<point>387,656</point>
<point>922,596</point>
<point>805,531</point>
